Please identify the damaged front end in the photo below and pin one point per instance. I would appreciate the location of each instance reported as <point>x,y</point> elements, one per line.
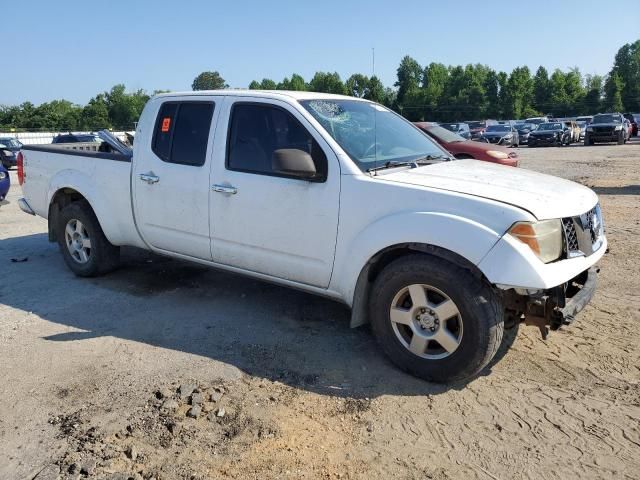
<point>550,309</point>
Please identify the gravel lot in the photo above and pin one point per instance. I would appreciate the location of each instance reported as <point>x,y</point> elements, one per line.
<point>167,370</point>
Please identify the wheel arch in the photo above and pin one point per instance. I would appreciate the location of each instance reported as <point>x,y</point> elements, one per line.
<point>60,199</point>
<point>375,265</point>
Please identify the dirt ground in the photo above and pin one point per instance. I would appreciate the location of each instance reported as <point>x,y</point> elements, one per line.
<point>97,375</point>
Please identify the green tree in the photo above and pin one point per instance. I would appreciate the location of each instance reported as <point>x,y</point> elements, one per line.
<point>357,85</point>
<point>519,94</point>
<point>558,99</point>
<point>613,89</point>
<point>265,84</point>
<point>434,81</point>
<point>125,108</point>
<point>327,83</point>
<point>627,66</point>
<point>491,91</point>
<point>593,97</point>
<point>575,91</point>
<point>209,81</point>
<point>95,115</point>
<point>296,83</point>
<point>541,90</point>
<point>409,80</point>
<point>376,91</point>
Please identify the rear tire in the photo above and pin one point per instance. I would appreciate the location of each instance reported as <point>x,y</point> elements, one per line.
<point>471,332</point>
<point>85,249</point>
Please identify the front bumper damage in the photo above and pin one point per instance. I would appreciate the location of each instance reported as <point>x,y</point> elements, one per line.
<point>551,309</point>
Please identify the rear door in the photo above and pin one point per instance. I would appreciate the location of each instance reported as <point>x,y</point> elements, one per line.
<point>170,179</point>
<point>263,221</point>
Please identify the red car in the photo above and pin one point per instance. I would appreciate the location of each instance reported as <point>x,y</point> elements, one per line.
<point>462,148</point>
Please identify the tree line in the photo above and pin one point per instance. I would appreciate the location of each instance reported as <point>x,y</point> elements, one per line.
<point>434,92</point>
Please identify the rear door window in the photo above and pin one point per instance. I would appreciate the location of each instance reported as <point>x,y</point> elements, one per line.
<point>182,132</point>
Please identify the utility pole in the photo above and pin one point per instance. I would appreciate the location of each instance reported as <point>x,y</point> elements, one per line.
<point>373,61</point>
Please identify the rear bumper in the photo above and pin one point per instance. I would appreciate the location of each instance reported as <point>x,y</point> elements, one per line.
<point>25,207</point>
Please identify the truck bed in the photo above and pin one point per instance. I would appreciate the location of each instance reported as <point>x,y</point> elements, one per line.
<point>102,178</point>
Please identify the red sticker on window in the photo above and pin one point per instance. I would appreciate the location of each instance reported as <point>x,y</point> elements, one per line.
<point>166,123</point>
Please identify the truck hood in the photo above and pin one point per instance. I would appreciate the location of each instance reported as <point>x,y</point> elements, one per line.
<point>542,195</point>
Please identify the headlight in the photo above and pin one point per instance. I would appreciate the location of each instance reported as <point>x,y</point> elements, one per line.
<point>543,238</point>
<point>618,127</point>
<point>589,129</point>
<point>508,136</point>
<point>497,154</point>
<point>3,175</point>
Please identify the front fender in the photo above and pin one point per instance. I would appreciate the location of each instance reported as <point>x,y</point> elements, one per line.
<point>467,238</point>
<point>511,263</point>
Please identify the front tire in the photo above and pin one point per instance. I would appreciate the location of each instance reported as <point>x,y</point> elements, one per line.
<point>85,249</point>
<point>434,319</point>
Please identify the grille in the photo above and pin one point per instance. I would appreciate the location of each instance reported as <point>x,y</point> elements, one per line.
<point>570,235</point>
<point>603,129</point>
<point>592,231</point>
<point>584,233</point>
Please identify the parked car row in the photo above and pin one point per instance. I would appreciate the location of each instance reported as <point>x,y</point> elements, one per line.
<point>546,130</point>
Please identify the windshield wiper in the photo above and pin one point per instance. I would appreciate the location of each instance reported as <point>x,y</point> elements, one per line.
<point>428,159</point>
<point>392,165</point>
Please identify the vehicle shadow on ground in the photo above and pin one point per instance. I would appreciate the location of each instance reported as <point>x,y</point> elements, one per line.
<point>623,190</point>
<point>264,330</point>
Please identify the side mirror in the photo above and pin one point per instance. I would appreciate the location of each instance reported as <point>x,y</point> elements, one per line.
<point>293,162</point>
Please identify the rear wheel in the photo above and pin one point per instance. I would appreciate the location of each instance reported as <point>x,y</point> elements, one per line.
<point>85,249</point>
<point>434,319</point>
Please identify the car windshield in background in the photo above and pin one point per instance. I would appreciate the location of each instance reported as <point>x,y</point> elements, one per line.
<point>607,119</point>
<point>550,126</point>
<point>581,124</point>
<point>87,138</point>
<point>10,142</point>
<point>477,124</point>
<point>498,128</point>
<point>371,134</point>
<point>445,135</point>
<point>454,127</point>
<point>521,127</point>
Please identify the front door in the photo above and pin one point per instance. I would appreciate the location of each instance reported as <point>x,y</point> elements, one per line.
<point>171,178</point>
<point>264,221</point>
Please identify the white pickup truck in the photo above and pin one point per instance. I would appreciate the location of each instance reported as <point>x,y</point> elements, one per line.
<point>339,197</point>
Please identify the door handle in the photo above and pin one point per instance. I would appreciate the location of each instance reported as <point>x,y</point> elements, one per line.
<point>150,178</point>
<point>225,189</point>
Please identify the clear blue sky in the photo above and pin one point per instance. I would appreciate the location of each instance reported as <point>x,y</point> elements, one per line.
<point>75,49</point>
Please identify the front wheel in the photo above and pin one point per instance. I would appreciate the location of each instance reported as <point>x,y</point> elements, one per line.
<point>434,319</point>
<point>85,249</point>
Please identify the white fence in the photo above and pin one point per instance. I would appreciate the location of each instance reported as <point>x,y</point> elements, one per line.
<point>40,138</point>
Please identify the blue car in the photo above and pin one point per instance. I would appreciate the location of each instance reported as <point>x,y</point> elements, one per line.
<point>5,182</point>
